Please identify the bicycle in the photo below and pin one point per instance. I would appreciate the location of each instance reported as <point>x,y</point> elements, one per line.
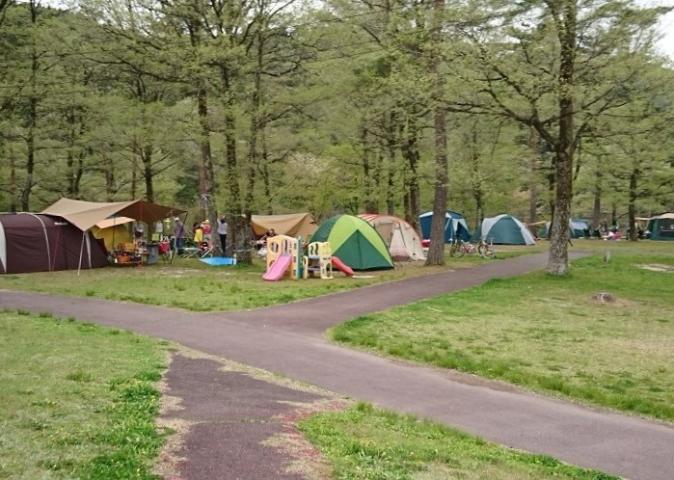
<point>485,250</point>
<point>459,248</point>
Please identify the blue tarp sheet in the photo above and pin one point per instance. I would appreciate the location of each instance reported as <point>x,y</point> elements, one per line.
<point>219,261</point>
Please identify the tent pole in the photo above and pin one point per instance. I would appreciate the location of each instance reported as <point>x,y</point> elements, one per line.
<point>79,265</point>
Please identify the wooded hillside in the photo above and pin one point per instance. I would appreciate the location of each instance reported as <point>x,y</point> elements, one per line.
<point>263,106</point>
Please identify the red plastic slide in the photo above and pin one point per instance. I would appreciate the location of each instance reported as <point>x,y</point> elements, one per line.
<point>342,267</point>
<point>278,268</point>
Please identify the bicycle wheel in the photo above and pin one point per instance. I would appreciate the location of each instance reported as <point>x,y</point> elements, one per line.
<point>453,247</point>
<point>487,251</point>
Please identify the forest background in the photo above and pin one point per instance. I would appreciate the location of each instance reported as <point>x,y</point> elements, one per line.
<point>241,107</point>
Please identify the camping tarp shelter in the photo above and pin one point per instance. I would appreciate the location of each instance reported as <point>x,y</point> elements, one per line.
<point>113,231</point>
<point>662,227</point>
<point>455,226</point>
<point>292,224</point>
<point>85,215</point>
<point>506,230</point>
<point>402,240</point>
<point>355,242</point>
<point>39,243</point>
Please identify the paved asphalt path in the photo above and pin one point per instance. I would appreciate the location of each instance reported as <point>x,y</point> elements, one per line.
<point>231,416</point>
<point>287,340</point>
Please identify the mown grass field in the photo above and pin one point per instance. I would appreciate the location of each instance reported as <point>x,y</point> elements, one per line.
<point>367,443</point>
<point>192,285</point>
<point>77,400</point>
<point>549,334</point>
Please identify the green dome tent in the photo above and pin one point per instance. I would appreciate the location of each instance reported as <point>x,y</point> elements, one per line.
<point>505,230</point>
<point>355,242</point>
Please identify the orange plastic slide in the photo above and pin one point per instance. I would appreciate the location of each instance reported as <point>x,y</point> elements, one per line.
<point>342,267</point>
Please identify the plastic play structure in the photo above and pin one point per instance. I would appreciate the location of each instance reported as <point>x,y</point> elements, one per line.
<point>318,260</point>
<point>285,258</point>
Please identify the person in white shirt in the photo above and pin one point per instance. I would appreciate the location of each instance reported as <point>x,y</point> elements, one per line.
<point>223,229</point>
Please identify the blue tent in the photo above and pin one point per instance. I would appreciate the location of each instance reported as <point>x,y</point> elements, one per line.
<point>455,226</point>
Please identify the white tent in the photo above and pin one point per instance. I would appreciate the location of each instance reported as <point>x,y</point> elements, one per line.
<point>402,240</point>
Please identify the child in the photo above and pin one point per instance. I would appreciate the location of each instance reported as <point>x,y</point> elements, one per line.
<point>198,233</point>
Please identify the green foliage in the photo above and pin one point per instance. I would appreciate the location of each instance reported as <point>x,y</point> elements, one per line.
<point>324,107</point>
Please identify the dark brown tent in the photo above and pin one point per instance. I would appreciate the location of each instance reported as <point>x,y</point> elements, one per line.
<point>39,243</point>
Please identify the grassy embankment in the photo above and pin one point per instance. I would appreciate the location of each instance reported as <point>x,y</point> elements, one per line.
<point>366,443</point>
<point>192,285</point>
<point>549,334</point>
<point>77,400</point>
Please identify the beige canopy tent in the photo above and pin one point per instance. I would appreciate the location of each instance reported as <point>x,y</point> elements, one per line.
<point>85,215</point>
<point>292,224</point>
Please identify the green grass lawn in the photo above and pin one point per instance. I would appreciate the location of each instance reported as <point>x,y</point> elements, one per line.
<point>77,400</point>
<point>192,285</point>
<point>366,443</point>
<point>548,333</point>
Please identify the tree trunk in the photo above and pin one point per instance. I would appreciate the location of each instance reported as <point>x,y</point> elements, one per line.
<point>32,114</point>
<point>256,124</point>
<point>368,202</point>
<point>391,163</point>
<point>534,159</point>
<point>614,215</point>
<point>109,172</point>
<point>596,204</point>
<point>436,251</point>
<point>146,156</point>
<point>558,260</point>
<point>551,191</point>
<point>477,190</point>
<point>266,180</point>
<point>410,152</point>
<point>206,166</point>
<point>631,209</point>
<point>12,181</point>
<point>134,177</point>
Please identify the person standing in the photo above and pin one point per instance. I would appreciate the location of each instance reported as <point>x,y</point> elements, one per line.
<point>179,235</point>
<point>223,230</point>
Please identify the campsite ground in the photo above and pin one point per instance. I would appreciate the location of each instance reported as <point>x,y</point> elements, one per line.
<point>551,334</point>
<point>82,398</point>
<point>368,443</point>
<point>77,400</point>
<point>192,285</point>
